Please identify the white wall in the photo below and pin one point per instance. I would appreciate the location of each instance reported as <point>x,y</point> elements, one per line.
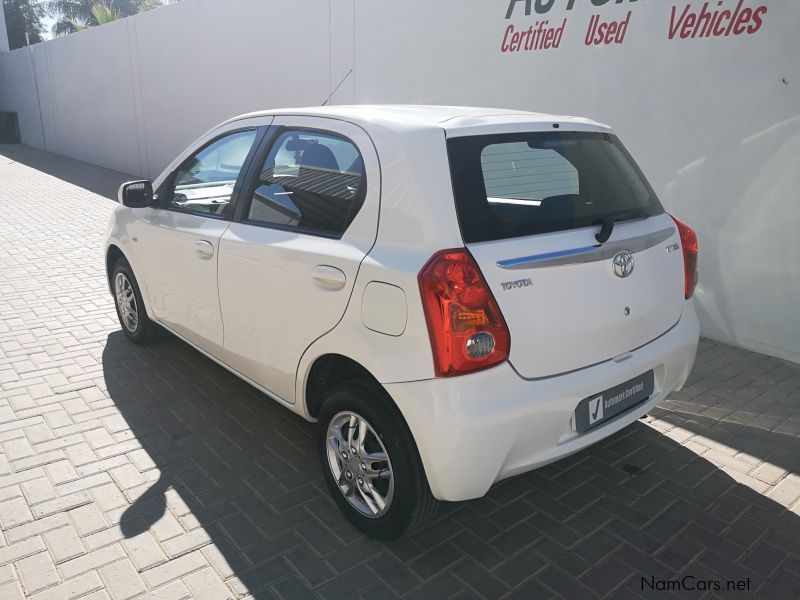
<point>3,32</point>
<point>711,121</point>
<point>714,122</point>
<point>133,93</point>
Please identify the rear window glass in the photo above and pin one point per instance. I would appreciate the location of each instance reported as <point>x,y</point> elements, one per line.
<point>516,185</point>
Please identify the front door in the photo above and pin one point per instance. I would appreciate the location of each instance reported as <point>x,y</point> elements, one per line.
<point>179,240</point>
<point>287,268</point>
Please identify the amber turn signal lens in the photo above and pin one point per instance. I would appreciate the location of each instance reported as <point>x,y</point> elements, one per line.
<point>466,327</point>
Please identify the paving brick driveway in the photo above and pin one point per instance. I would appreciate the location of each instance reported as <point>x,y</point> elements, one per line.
<point>131,472</point>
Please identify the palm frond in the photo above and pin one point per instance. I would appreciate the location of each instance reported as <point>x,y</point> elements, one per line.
<point>66,25</point>
<point>103,13</point>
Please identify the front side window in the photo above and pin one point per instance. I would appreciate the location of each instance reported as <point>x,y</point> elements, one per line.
<point>310,181</point>
<point>516,185</point>
<point>204,183</point>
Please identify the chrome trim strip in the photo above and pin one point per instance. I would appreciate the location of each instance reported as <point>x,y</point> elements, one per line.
<point>587,254</point>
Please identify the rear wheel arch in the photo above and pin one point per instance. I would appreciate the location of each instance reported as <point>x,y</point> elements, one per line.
<point>328,371</point>
<point>335,383</point>
<point>349,464</point>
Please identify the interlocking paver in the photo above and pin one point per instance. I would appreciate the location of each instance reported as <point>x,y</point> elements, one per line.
<point>38,572</point>
<point>172,591</point>
<point>18,448</point>
<point>63,544</point>
<point>11,591</point>
<point>14,512</point>
<point>178,567</point>
<point>144,551</point>
<point>206,585</point>
<point>92,561</point>
<point>73,588</point>
<point>62,503</point>
<point>38,490</point>
<point>61,472</point>
<point>186,542</point>
<point>122,580</point>
<point>11,492</point>
<point>158,470</point>
<point>20,550</point>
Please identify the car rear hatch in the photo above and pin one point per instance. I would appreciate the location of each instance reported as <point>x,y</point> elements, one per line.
<point>530,206</point>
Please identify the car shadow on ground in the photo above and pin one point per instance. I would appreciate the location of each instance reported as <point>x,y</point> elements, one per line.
<point>241,470</point>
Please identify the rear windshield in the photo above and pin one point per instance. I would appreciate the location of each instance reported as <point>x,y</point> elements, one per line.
<point>515,185</point>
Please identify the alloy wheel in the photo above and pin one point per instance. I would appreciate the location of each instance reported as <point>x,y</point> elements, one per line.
<point>360,464</point>
<point>126,302</point>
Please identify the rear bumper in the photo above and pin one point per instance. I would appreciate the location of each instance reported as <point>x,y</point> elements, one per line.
<point>474,430</point>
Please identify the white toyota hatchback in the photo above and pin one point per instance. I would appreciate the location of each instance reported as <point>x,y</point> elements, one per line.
<point>455,295</point>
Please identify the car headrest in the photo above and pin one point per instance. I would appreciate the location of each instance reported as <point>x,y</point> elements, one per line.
<point>319,156</point>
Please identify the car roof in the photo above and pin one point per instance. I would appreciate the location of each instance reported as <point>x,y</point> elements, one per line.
<point>459,120</point>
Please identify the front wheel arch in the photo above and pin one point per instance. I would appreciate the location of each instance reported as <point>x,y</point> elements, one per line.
<point>113,254</point>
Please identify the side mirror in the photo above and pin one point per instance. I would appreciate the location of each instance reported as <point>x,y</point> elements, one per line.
<point>136,194</point>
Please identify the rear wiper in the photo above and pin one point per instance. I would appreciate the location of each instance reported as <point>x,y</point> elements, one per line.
<point>607,227</point>
<point>606,230</point>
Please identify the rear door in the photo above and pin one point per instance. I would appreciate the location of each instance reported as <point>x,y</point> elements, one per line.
<point>530,206</point>
<point>308,217</point>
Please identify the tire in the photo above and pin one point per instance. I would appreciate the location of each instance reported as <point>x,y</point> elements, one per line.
<point>133,319</point>
<point>409,502</point>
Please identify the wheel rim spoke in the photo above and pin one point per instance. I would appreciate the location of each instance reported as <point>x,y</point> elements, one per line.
<point>126,302</point>
<point>368,501</point>
<point>373,471</point>
<point>362,434</point>
<point>379,500</point>
<point>350,429</point>
<point>339,439</point>
<point>359,463</point>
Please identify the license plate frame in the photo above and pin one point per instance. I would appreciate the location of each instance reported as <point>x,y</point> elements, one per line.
<point>601,408</point>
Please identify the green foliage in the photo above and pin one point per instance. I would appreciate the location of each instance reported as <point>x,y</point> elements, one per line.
<point>74,15</point>
<point>103,13</point>
<point>23,16</point>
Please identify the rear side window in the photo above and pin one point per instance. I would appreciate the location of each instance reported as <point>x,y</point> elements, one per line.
<point>517,185</point>
<point>311,181</point>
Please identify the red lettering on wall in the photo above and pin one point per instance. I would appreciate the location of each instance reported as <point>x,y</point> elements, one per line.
<point>714,22</point>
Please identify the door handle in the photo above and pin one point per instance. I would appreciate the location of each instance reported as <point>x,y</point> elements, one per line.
<point>204,248</point>
<point>329,277</point>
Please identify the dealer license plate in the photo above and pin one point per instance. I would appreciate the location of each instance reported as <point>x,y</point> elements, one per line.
<point>598,409</point>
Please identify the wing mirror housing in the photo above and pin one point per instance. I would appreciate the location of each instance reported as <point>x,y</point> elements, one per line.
<point>136,194</point>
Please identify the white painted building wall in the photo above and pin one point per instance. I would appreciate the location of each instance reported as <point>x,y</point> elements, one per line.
<point>714,122</point>
<point>3,33</point>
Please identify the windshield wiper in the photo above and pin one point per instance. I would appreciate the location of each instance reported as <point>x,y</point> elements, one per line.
<point>607,226</point>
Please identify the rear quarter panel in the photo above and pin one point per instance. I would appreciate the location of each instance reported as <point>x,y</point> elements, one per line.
<point>417,219</point>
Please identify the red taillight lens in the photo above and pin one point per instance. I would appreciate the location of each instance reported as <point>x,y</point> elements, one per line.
<point>689,245</point>
<point>461,311</point>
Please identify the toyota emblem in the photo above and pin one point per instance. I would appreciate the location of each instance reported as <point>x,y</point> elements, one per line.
<point>623,264</point>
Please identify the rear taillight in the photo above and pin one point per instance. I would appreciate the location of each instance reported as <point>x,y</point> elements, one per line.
<point>465,324</point>
<point>689,245</point>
